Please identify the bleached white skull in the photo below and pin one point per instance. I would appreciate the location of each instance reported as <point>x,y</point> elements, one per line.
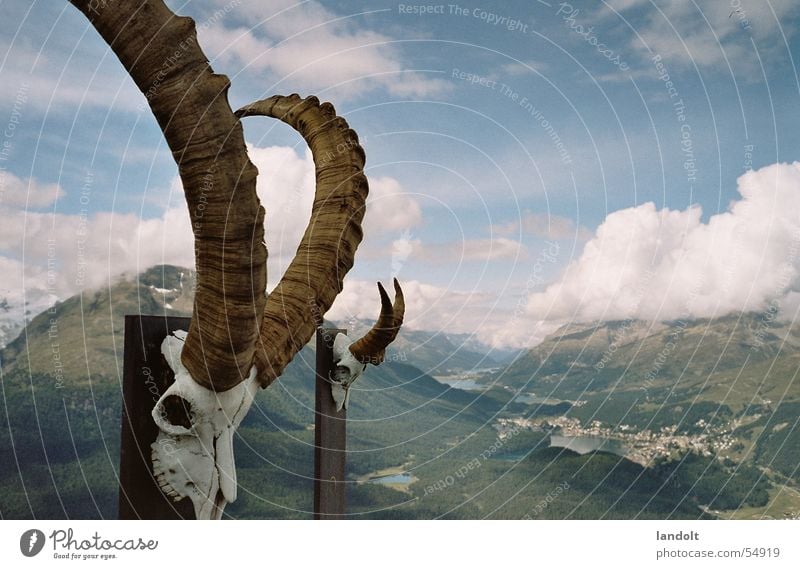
<point>193,453</point>
<point>351,357</point>
<point>348,369</point>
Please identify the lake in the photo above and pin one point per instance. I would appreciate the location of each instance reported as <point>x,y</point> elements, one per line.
<point>460,383</point>
<point>402,478</point>
<point>531,399</point>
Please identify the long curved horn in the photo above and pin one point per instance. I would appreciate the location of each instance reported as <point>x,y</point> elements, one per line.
<point>371,349</point>
<point>314,277</point>
<point>190,103</point>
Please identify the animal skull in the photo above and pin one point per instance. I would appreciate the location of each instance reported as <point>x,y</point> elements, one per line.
<point>193,453</point>
<point>351,358</point>
<point>348,370</point>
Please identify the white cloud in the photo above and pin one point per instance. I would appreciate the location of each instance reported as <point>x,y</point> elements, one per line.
<point>686,36</point>
<point>428,307</point>
<point>453,252</point>
<point>306,45</point>
<point>55,79</point>
<point>286,187</point>
<point>389,208</point>
<point>641,263</point>
<point>445,310</point>
<point>86,250</point>
<point>668,264</point>
<point>18,193</point>
<point>511,333</point>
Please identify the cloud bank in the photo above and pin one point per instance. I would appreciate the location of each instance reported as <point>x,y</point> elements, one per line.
<point>46,255</point>
<point>667,264</point>
<point>641,262</point>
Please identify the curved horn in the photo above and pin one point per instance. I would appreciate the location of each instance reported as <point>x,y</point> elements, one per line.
<point>314,277</point>
<point>190,103</point>
<point>371,349</point>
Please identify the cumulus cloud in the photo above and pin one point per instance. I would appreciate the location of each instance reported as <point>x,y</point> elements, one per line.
<point>667,264</point>
<point>447,310</point>
<point>389,207</point>
<point>286,187</point>
<point>85,250</point>
<point>642,262</point>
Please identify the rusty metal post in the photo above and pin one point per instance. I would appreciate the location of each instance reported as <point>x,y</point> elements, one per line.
<point>330,436</point>
<point>146,376</point>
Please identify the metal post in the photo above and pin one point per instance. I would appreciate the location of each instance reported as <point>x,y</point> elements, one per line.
<point>146,376</point>
<point>330,436</point>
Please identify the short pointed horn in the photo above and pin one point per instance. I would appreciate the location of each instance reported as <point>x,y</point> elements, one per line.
<point>372,347</point>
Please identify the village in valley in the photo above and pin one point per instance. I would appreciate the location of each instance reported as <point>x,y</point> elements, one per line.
<point>643,446</point>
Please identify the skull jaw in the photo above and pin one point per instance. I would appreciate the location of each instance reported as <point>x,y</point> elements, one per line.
<point>341,395</point>
<point>184,468</point>
<point>193,453</point>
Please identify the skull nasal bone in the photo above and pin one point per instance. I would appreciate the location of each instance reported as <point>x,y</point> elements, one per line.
<point>178,411</point>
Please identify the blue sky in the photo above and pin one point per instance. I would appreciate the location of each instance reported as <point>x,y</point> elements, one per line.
<point>493,131</point>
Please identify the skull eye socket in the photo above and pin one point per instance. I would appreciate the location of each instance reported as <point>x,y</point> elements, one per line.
<point>177,411</point>
<point>341,373</point>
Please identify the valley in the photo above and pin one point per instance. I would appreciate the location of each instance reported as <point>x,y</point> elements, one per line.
<point>712,434</point>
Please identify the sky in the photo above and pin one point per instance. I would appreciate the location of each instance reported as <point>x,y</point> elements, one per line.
<point>530,163</point>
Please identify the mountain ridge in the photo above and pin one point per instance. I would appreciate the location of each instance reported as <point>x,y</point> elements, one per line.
<point>168,290</point>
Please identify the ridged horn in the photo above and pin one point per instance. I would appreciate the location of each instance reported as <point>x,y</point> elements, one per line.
<point>314,277</point>
<point>371,349</point>
<point>190,103</point>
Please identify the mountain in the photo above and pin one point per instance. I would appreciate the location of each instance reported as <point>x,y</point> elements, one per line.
<point>81,338</point>
<point>694,356</point>
<point>169,290</point>
<point>61,380</point>
<point>732,379</point>
<point>436,353</point>
<point>61,403</point>
<point>16,310</point>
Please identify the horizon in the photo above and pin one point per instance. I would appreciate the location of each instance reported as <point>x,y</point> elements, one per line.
<point>470,343</point>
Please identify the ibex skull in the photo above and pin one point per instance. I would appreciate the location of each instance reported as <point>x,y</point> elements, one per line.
<point>197,416</point>
<point>351,358</point>
<point>193,453</point>
<point>234,326</point>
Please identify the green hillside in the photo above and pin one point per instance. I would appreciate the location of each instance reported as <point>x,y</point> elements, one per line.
<point>59,432</point>
<point>732,380</point>
<point>696,355</point>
